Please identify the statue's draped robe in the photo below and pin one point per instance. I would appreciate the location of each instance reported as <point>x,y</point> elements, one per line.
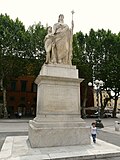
<point>62,38</point>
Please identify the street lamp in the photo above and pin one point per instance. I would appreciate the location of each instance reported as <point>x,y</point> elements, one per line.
<point>97,85</point>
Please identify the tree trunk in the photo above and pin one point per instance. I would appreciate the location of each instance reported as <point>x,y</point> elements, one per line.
<point>101,104</point>
<point>5,103</point>
<point>115,107</point>
<point>84,103</point>
<point>104,105</point>
<point>4,100</point>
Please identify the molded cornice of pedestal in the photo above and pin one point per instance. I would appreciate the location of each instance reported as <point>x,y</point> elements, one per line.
<point>60,79</point>
<point>59,70</point>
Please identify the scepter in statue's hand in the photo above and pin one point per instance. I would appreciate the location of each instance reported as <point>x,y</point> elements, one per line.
<point>72,20</point>
<point>71,40</point>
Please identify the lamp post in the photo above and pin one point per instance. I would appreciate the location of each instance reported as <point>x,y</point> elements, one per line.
<point>98,84</point>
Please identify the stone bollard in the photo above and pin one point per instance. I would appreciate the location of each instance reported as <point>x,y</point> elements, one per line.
<point>117,127</point>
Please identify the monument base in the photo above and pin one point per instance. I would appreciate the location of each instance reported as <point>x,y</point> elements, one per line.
<point>58,120</point>
<point>58,133</point>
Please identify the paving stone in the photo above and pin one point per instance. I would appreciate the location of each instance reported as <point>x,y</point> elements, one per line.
<point>20,149</point>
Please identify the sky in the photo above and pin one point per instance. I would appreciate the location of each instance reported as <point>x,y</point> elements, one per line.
<point>96,14</point>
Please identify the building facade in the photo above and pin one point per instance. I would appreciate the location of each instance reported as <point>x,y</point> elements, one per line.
<point>21,96</point>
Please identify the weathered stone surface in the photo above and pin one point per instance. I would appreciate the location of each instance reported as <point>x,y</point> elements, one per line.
<point>58,95</point>
<point>58,70</point>
<point>58,43</point>
<point>58,120</point>
<point>18,148</point>
<point>58,136</point>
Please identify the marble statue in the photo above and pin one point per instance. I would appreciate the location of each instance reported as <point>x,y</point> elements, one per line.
<point>58,43</point>
<point>58,119</point>
<point>49,46</point>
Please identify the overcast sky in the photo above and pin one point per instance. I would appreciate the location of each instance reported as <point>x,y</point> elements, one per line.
<point>96,14</point>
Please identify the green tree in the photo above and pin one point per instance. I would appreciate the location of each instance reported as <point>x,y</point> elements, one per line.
<point>110,67</point>
<point>11,35</point>
<point>80,59</point>
<point>97,56</point>
<point>35,48</point>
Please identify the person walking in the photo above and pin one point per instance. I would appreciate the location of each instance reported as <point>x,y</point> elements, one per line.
<point>93,131</point>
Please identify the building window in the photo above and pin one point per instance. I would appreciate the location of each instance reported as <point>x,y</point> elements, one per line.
<point>22,99</point>
<point>12,98</point>
<point>34,99</point>
<point>1,99</point>
<point>34,87</point>
<point>23,86</point>
<point>13,86</point>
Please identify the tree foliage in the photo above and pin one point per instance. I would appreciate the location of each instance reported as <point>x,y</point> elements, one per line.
<point>96,55</point>
<point>36,51</point>
<point>99,58</point>
<point>21,51</point>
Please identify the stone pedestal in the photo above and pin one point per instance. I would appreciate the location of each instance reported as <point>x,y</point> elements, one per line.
<point>58,121</point>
